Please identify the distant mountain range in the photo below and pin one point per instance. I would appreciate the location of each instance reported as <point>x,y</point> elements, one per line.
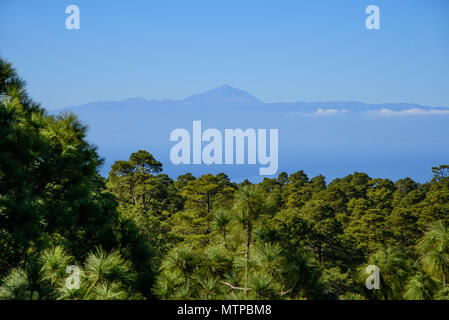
<point>333,138</point>
<point>226,95</point>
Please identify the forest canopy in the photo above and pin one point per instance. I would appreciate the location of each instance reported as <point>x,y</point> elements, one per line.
<point>139,234</point>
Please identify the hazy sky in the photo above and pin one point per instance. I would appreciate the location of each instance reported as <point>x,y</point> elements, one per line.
<point>276,50</point>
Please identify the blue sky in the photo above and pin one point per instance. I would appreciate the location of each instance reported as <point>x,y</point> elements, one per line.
<point>276,50</point>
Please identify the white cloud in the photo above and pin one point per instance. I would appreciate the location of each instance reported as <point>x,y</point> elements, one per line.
<point>321,113</point>
<point>407,112</point>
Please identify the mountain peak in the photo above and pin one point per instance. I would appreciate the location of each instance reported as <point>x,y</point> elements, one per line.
<point>223,94</point>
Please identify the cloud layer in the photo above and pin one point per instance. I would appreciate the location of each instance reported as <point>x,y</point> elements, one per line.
<point>407,112</point>
<point>322,113</point>
<point>384,112</point>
